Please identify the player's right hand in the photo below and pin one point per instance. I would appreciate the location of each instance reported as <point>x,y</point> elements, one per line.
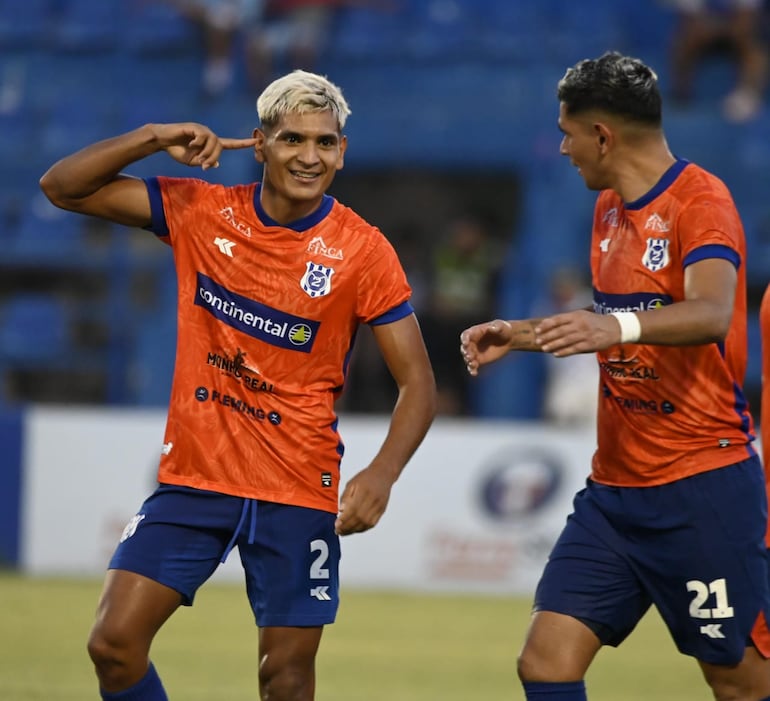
<point>484,343</point>
<point>194,144</point>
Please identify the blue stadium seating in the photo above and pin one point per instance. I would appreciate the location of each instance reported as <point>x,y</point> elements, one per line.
<point>25,24</point>
<point>34,329</point>
<point>435,83</point>
<point>157,28</point>
<point>89,26</point>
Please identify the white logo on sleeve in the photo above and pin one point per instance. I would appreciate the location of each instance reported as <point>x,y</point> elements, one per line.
<point>131,527</point>
<point>225,246</point>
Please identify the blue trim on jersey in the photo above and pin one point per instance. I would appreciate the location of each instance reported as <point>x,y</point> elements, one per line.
<point>299,225</point>
<point>159,225</point>
<point>402,311</point>
<point>713,250</point>
<point>661,186</point>
<point>742,409</point>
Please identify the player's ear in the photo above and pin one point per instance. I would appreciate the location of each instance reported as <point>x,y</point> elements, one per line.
<point>603,136</point>
<point>259,147</point>
<point>343,148</point>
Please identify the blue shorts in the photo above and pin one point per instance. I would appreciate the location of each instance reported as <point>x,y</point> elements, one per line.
<point>694,548</point>
<point>290,554</point>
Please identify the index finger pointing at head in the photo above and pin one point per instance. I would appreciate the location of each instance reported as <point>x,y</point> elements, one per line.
<point>237,143</point>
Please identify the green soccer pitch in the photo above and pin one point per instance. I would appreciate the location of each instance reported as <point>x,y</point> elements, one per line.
<point>385,646</point>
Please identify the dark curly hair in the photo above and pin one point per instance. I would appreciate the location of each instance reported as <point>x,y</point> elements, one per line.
<point>613,83</point>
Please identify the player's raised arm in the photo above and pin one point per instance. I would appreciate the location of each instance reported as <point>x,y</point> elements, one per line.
<point>90,181</point>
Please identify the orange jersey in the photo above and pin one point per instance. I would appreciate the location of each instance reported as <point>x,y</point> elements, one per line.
<point>668,412</point>
<point>764,424</point>
<point>267,316</point>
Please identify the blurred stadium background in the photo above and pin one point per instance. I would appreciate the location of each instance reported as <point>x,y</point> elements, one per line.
<point>453,114</point>
<point>454,118</point>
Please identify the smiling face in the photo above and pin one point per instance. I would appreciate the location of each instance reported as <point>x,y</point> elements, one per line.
<point>301,155</point>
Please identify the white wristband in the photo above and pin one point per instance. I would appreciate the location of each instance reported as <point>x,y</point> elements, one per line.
<point>630,328</point>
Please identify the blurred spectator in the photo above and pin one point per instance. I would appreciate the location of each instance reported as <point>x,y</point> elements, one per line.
<point>463,277</point>
<point>572,384</point>
<point>293,34</point>
<point>731,27</point>
<point>222,22</point>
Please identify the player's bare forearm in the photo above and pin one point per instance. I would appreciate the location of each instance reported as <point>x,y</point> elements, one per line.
<point>523,336</point>
<point>77,176</point>
<point>486,343</point>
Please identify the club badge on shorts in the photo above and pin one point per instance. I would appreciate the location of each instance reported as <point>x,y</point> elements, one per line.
<point>317,280</point>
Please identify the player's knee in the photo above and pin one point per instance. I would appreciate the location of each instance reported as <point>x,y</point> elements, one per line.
<point>737,687</point>
<point>100,650</point>
<point>111,654</point>
<point>529,667</point>
<point>285,683</point>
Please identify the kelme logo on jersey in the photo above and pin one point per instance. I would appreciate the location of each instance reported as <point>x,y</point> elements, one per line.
<point>255,319</point>
<point>634,302</point>
<point>317,280</point>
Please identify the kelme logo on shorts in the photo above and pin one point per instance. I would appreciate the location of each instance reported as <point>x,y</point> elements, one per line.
<point>258,320</point>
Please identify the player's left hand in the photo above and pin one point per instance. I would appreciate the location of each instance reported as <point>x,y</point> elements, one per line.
<point>363,501</point>
<point>580,331</point>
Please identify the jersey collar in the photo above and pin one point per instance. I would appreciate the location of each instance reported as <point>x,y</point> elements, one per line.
<point>298,225</point>
<point>668,177</point>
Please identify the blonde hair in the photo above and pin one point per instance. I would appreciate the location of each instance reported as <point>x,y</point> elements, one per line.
<point>300,92</point>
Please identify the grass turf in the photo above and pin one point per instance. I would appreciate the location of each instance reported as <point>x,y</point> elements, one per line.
<point>385,646</point>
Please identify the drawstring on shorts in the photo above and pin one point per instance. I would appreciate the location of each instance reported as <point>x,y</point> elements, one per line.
<point>249,505</point>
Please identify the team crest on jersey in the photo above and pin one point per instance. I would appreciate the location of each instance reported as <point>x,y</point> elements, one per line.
<point>656,256</point>
<point>317,280</point>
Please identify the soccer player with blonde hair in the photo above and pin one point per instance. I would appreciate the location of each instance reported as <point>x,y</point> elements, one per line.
<point>274,279</point>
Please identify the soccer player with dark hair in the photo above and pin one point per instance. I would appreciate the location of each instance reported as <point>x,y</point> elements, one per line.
<point>673,514</point>
<point>274,279</point>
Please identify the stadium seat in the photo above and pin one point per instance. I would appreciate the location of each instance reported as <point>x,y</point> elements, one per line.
<point>158,28</point>
<point>440,30</point>
<point>88,26</point>
<point>49,235</point>
<point>33,329</point>
<point>25,24</point>
<point>366,34</point>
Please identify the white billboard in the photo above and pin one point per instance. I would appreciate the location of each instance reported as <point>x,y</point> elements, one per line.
<point>477,509</point>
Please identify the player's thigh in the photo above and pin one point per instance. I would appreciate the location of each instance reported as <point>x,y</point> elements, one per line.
<point>131,609</point>
<point>179,537</point>
<point>750,679</point>
<point>588,575</point>
<point>557,648</point>
<point>291,563</point>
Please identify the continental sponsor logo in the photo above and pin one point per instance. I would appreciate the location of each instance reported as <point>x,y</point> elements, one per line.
<point>636,302</point>
<point>256,319</point>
